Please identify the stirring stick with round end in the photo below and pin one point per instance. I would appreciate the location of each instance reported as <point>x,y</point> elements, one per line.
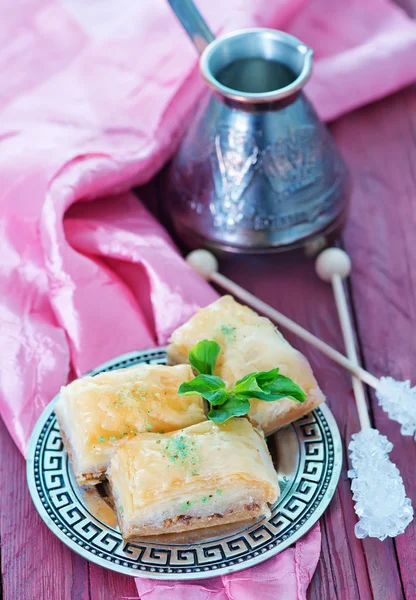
<point>205,263</point>
<point>378,490</point>
<point>381,502</point>
<point>395,397</point>
<point>334,265</point>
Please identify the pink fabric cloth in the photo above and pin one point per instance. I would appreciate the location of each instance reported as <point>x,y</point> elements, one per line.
<point>93,99</point>
<point>285,577</point>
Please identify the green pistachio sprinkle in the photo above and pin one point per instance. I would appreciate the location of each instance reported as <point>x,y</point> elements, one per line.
<point>121,509</point>
<point>102,439</point>
<point>228,332</point>
<point>219,492</point>
<point>113,438</point>
<point>182,452</point>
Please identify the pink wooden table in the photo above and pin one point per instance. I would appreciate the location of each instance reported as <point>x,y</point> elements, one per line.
<point>379,144</point>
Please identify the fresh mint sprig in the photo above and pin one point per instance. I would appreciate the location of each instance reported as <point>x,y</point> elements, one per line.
<point>203,357</point>
<point>234,402</point>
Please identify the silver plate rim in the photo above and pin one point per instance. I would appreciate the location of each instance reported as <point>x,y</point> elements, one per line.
<point>303,529</point>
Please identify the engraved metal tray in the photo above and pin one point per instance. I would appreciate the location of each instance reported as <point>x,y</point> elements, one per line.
<point>307,456</point>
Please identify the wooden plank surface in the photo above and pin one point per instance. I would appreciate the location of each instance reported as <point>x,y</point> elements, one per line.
<point>380,146</point>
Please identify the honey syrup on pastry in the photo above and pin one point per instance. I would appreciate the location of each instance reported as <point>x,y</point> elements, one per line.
<point>99,506</point>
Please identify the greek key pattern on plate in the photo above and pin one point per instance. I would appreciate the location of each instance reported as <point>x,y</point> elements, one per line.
<point>302,501</point>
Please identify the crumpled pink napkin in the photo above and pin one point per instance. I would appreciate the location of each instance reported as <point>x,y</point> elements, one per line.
<point>285,577</point>
<point>94,97</point>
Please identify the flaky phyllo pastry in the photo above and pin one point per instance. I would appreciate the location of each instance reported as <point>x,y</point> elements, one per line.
<point>201,476</point>
<point>249,343</point>
<point>98,414</point>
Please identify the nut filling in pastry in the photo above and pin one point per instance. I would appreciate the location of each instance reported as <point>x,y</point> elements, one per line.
<point>200,476</point>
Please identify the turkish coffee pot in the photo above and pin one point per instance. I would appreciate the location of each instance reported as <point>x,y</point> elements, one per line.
<point>256,171</point>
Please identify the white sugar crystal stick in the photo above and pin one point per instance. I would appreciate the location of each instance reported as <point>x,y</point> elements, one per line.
<point>378,491</point>
<point>397,398</point>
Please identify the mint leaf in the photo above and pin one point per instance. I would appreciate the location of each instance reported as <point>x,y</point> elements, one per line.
<point>283,387</point>
<point>235,402</point>
<point>255,382</point>
<point>203,357</point>
<point>210,387</point>
<point>234,407</point>
<point>268,386</point>
<point>218,398</point>
<point>262,377</point>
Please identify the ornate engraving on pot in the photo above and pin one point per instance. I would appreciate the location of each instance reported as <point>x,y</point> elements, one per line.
<point>239,184</point>
<point>298,167</point>
<point>234,160</point>
<point>236,156</point>
<point>294,162</point>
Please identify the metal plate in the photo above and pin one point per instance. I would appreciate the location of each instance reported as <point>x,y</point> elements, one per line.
<point>307,456</point>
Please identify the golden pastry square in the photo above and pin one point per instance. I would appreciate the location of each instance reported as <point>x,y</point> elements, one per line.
<point>201,476</point>
<point>98,414</point>
<point>249,343</point>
